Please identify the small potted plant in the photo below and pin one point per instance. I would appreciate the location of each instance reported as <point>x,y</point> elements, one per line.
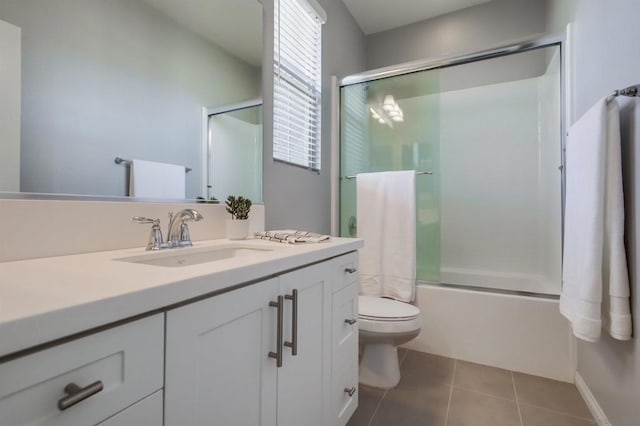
<point>238,226</point>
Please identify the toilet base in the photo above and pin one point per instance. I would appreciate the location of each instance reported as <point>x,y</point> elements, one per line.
<point>379,366</point>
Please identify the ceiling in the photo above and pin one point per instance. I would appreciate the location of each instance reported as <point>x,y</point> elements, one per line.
<point>234,25</point>
<point>380,15</point>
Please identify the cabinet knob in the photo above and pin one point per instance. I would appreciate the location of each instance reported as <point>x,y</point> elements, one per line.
<point>350,270</point>
<point>350,391</point>
<point>351,321</point>
<point>76,394</point>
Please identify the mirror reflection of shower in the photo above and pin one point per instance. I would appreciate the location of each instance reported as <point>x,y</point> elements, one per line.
<point>490,131</point>
<point>234,151</point>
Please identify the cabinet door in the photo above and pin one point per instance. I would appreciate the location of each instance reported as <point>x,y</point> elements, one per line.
<point>218,371</point>
<point>304,379</point>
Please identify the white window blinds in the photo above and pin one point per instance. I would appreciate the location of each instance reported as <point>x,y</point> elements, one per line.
<point>297,84</point>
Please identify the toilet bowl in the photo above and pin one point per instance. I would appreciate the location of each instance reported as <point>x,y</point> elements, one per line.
<point>384,325</point>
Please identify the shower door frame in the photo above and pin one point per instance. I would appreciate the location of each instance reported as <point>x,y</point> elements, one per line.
<point>206,139</point>
<point>518,46</point>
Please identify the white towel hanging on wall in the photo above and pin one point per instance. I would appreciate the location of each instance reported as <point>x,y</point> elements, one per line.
<point>594,260</point>
<point>149,179</point>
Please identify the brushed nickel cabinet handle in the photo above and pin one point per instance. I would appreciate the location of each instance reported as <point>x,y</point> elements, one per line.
<point>293,344</point>
<point>350,391</point>
<point>76,394</point>
<point>350,270</point>
<point>351,321</point>
<point>278,353</point>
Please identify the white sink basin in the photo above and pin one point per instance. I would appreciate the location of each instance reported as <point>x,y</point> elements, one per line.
<point>193,256</point>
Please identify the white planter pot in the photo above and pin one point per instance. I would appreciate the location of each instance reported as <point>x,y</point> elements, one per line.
<point>237,229</point>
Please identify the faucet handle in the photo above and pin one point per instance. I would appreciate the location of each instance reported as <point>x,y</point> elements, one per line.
<point>185,237</point>
<point>156,241</point>
<point>141,219</point>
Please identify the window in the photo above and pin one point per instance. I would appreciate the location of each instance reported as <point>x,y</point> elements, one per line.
<point>297,84</point>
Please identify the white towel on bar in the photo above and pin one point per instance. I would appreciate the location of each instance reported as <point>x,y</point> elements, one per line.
<point>386,213</point>
<point>149,179</point>
<point>594,260</point>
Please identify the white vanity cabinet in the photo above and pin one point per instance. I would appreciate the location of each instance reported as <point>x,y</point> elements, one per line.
<point>115,368</point>
<point>270,343</point>
<point>222,354</point>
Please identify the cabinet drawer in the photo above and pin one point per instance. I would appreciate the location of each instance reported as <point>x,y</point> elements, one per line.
<point>147,412</point>
<point>127,360</point>
<point>344,270</point>
<point>344,329</point>
<point>344,390</point>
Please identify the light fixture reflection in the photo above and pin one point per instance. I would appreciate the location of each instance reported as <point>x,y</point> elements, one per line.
<point>389,103</point>
<point>388,112</point>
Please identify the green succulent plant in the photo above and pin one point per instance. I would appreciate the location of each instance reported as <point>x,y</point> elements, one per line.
<point>238,207</point>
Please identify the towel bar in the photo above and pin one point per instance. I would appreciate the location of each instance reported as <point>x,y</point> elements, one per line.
<point>417,173</point>
<point>631,91</point>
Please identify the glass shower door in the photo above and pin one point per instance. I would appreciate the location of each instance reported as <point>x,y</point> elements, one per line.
<point>393,124</point>
<point>490,132</point>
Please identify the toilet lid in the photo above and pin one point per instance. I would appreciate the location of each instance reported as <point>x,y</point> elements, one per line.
<point>379,308</point>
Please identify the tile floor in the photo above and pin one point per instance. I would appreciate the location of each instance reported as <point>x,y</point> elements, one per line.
<point>439,391</point>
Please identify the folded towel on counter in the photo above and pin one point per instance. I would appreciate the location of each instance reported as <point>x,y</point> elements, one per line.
<point>291,236</point>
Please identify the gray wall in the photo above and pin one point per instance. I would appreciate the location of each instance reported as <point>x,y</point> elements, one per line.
<point>295,197</point>
<point>107,78</point>
<point>468,30</point>
<point>606,47</point>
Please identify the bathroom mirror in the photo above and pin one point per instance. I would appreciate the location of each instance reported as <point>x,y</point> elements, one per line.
<point>94,80</point>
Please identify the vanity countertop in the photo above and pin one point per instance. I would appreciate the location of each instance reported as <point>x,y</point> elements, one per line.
<point>45,299</point>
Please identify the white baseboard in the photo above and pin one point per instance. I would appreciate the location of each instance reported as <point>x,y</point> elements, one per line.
<point>596,411</point>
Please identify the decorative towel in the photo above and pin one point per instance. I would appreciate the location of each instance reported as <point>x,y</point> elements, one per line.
<point>594,255</point>
<point>386,214</point>
<point>291,236</point>
<point>149,179</point>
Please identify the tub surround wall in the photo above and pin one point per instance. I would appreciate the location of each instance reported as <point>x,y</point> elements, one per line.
<point>43,228</point>
<point>492,234</point>
<point>604,44</point>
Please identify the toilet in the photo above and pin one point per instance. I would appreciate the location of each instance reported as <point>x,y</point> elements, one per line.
<point>384,325</point>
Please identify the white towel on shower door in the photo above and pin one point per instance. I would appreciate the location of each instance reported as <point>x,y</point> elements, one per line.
<point>386,212</point>
<point>594,260</point>
<point>149,179</point>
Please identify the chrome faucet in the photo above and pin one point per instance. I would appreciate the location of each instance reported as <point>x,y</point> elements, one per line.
<point>178,235</point>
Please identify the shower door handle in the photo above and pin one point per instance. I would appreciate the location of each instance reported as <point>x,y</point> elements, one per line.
<point>277,355</point>
<point>293,344</point>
